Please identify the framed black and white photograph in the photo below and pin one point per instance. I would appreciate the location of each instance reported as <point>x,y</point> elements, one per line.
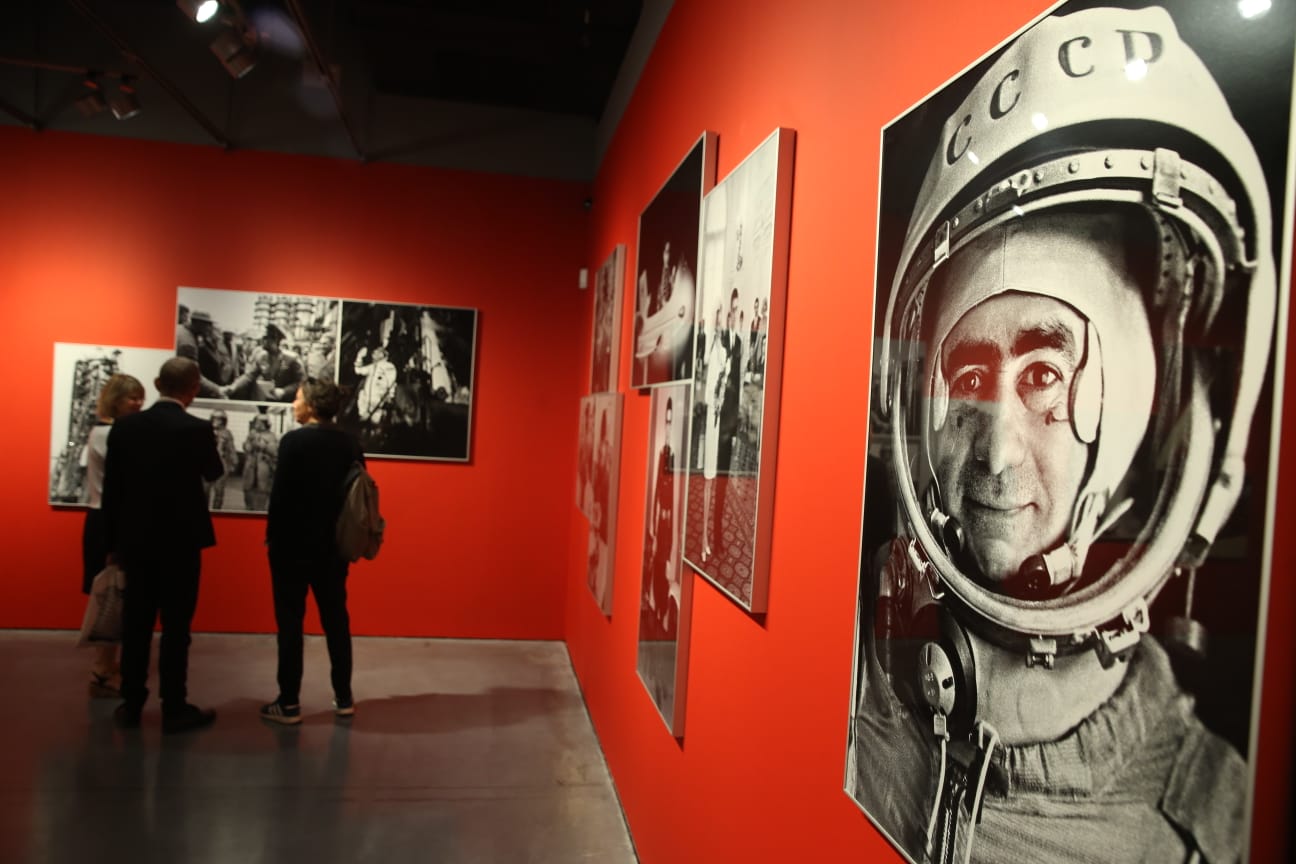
<point>665,595</point>
<point>247,438</point>
<point>737,372</point>
<point>1067,510</point>
<point>80,374</point>
<point>606,352</point>
<point>666,281</point>
<point>585,457</point>
<point>409,370</point>
<point>605,461</point>
<point>254,347</point>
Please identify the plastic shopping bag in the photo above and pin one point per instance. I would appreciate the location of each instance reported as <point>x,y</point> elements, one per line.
<point>103,615</point>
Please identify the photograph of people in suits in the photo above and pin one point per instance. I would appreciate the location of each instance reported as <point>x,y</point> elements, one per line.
<point>253,347</point>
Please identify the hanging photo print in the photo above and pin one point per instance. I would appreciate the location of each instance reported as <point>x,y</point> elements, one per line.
<point>1065,533</point>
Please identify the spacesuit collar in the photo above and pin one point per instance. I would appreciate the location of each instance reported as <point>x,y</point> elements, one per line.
<point>1089,758</point>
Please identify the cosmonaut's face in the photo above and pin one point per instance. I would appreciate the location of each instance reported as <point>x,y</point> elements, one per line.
<point>1007,460</point>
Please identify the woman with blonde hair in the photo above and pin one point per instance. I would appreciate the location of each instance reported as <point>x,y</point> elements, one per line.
<point>121,395</point>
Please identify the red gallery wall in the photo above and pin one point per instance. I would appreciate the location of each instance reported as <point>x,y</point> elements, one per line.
<point>97,233</point>
<point>758,775</point>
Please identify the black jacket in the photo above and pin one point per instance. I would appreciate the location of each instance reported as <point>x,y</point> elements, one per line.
<point>307,493</point>
<point>153,498</point>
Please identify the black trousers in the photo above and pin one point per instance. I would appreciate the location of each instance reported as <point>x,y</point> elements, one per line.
<point>165,586</point>
<point>94,548</point>
<point>325,576</point>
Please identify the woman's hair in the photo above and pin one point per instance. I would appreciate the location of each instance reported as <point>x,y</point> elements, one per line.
<point>323,397</point>
<point>118,387</point>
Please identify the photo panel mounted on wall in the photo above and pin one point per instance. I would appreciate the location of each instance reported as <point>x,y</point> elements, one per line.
<point>605,461</point>
<point>247,438</point>
<point>737,372</point>
<point>79,424</point>
<point>585,458</point>
<point>253,347</point>
<point>667,271</point>
<point>666,589</point>
<point>606,349</point>
<point>1065,537</point>
<point>409,370</point>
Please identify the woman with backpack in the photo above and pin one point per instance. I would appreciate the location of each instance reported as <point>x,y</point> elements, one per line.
<point>305,500</point>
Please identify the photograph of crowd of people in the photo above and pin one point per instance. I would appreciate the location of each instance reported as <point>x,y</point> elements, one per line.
<point>664,591</point>
<point>256,347</point>
<point>409,370</point>
<point>665,288</point>
<point>247,438</point>
<point>604,364</point>
<point>1063,544</point>
<point>743,274</point>
<point>598,470</point>
<point>80,373</point>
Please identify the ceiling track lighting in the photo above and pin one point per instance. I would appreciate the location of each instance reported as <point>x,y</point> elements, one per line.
<point>201,11</point>
<point>123,101</point>
<point>235,48</point>
<point>91,102</point>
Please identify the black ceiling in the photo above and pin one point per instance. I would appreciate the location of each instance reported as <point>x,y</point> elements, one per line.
<point>462,82</point>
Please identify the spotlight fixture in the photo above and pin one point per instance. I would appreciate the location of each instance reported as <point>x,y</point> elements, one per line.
<point>201,11</point>
<point>236,51</point>
<point>124,103</point>
<point>92,101</point>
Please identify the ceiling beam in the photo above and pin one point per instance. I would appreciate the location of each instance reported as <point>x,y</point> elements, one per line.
<point>326,71</point>
<point>19,115</point>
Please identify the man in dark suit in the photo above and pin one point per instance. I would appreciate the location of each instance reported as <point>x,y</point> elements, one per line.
<point>157,521</point>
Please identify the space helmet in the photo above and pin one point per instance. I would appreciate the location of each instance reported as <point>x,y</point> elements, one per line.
<point>1103,134</point>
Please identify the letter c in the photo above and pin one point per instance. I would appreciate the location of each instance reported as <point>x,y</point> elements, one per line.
<point>1064,56</point>
<point>950,156</point>
<point>997,108</point>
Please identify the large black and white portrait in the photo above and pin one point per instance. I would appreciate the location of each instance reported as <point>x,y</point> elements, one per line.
<point>247,438</point>
<point>736,372</point>
<point>666,281</point>
<point>80,405</point>
<point>409,370</point>
<point>606,350</point>
<point>1064,540</point>
<point>601,499</point>
<point>664,588</point>
<point>256,347</point>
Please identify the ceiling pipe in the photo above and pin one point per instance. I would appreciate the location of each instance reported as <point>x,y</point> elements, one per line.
<point>162,81</point>
<point>326,71</point>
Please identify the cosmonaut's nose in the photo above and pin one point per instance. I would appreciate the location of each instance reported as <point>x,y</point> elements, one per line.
<point>1001,429</point>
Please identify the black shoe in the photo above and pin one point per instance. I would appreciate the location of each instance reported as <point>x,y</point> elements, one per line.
<point>186,718</point>
<point>277,712</point>
<point>127,716</point>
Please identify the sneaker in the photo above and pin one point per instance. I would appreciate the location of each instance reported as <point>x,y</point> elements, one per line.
<point>186,717</point>
<point>104,686</point>
<point>277,712</point>
<point>344,707</point>
<point>127,716</point>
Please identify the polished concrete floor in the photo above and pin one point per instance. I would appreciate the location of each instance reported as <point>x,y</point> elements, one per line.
<point>460,751</point>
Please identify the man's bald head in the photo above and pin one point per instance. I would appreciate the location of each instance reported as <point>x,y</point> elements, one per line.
<point>179,379</point>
